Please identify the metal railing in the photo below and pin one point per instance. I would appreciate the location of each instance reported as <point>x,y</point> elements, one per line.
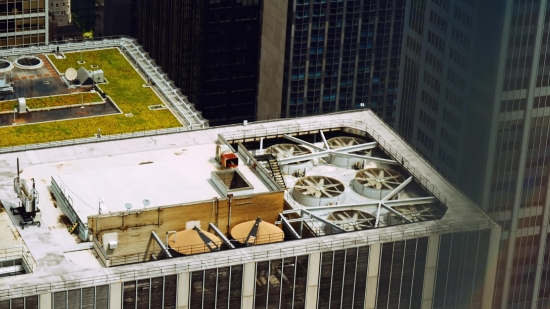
<point>333,124</point>
<point>87,140</point>
<point>191,249</point>
<point>241,256</point>
<point>19,253</point>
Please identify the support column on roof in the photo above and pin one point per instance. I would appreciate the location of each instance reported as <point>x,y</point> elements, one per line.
<point>372,276</point>
<point>429,274</point>
<point>313,280</point>
<point>249,282</point>
<point>115,299</point>
<point>183,291</point>
<point>45,301</point>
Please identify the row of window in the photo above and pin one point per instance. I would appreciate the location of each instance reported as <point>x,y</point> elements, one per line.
<point>462,16</point>
<point>446,158</point>
<point>431,81</point>
<point>454,99</point>
<point>426,120</point>
<point>444,4</point>
<point>436,41</point>
<point>438,21</point>
<point>429,101</point>
<point>434,62</point>
<point>413,45</point>
<point>461,38</point>
<point>455,78</point>
<point>458,58</point>
<point>451,119</point>
<point>425,140</point>
<point>449,139</point>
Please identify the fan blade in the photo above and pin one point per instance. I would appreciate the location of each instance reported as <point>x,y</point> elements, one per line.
<point>342,217</point>
<point>381,174</point>
<point>373,183</point>
<point>355,216</point>
<point>310,182</point>
<point>290,152</point>
<point>378,185</point>
<point>351,142</point>
<point>325,192</point>
<point>321,181</point>
<point>317,193</point>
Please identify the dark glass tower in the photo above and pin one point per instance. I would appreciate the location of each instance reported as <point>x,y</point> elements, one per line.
<point>212,51</point>
<point>340,54</point>
<point>476,103</point>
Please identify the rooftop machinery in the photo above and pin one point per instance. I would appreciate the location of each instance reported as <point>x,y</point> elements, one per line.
<point>28,201</point>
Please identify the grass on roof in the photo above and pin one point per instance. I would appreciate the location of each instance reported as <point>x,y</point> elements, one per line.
<point>53,101</point>
<point>124,88</point>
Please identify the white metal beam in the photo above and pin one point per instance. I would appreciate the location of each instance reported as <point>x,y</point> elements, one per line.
<point>411,201</point>
<point>399,188</point>
<point>324,139</point>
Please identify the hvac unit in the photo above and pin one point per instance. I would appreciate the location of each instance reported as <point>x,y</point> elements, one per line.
<point>376,183</point>
<point>318,191</point>
<point>351,220</point>
<point>284,151</point>
<point>346,141</point>
<point>415,213</point>
<point>226,157</point>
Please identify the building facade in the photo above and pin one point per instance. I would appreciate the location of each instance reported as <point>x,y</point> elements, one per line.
<point>60,10</point>
<point>23,22</point>
<point>217,59</point>
<point>84,14</point>
<point>474,103</point>
<point>256,60</point>
<point>340,54</point>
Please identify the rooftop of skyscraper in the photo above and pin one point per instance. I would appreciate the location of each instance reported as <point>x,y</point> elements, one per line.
<point>310,184</point>
<point>83,90</point>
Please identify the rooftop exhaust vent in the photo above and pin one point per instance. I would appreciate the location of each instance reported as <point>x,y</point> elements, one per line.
<point>231,181</point>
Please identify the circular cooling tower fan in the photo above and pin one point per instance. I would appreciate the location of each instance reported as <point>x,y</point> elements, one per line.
<point>283,151</point>
<point>377,182</point>
<point>352,220</point>
<point>346,161</point>
<point>318,191</point>
<point>346,141</point>
<point>415,213</point>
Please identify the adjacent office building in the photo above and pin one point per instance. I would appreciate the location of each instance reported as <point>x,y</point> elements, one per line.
<point>474,102</point>
<point>84,13</point>
<point>23,22</point>
<point>251,59</point>
<point>340,54</point>
<point>218,52</point>
<point>60,10</point>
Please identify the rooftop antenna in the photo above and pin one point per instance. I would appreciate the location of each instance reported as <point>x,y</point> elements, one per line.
<point>146,203</point>
<point>128,206</point>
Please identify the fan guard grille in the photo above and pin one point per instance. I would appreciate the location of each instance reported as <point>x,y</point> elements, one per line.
<point>352,220</point>
<point>416,213</point>
<point>319,186</point>
<point>379,178</point>
<point>283,151</point>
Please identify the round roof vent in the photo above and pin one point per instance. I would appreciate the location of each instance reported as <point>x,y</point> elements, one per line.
<point>376,183</point>
<point>318,191</point>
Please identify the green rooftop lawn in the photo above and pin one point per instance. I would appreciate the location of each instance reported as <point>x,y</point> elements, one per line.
<point>53,101</point>
<point>125,89</point>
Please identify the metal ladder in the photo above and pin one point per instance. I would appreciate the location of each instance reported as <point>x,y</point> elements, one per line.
<point>276,171</point>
